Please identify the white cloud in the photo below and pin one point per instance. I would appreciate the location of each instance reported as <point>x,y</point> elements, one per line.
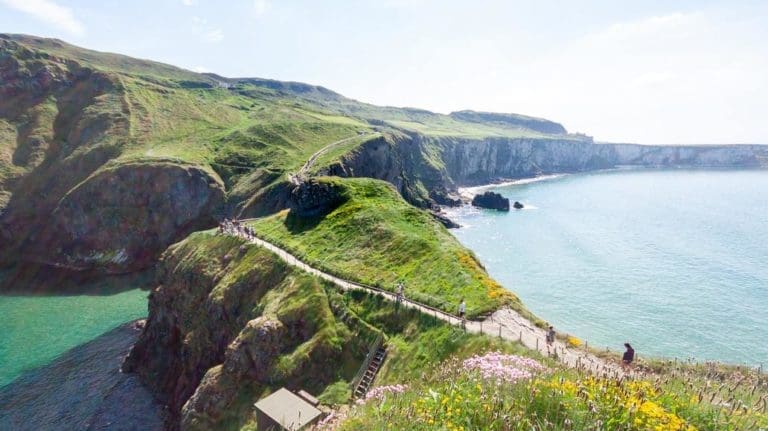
<point>200,69</point>
<point>187,2</point>
<point>214,36</point>
<point>50,12</point>
<point>260,7</point>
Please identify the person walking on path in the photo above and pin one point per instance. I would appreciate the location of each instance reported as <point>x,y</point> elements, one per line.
<point>550,335</point>
<point>399,294</point>
<point>462,311</point>
<point>629,356</point>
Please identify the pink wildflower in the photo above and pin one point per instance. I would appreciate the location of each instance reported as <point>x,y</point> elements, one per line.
<point>380,392</point>
<point>507,368</point>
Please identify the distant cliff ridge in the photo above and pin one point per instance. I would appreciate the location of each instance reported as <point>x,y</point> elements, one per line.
<point>416,164</point>
<point>511,120</point>
<point>472,162</point>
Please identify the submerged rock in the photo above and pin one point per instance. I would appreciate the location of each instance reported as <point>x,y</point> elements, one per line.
<point>492,201</point>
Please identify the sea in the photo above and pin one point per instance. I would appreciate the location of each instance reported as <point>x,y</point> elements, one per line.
<point>674,262</point>
<point>36,329</point>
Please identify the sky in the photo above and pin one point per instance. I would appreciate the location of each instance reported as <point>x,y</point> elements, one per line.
<point>652,72</point>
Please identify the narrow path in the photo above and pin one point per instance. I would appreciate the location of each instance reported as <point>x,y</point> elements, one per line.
<point>302,173</point>
<point>506,323</point>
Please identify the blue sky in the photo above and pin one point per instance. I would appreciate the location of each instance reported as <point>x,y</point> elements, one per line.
<point>654,72</point>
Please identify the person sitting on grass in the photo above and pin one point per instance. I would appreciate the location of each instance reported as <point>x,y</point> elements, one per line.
<point>628,357</point>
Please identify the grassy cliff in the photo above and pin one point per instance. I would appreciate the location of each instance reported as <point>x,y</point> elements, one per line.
<point>229,322</point>
<point>373,236</point>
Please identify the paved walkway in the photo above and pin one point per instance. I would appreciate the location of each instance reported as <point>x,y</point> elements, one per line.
<point>505,323</point>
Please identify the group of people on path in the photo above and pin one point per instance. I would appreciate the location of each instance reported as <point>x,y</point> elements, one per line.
<point>626,359</point>
<point>235,227</point>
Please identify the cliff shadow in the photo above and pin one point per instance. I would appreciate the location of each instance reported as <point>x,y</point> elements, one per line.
<point>53,396</point>
<point>42,280</point>
<point>297,223</point>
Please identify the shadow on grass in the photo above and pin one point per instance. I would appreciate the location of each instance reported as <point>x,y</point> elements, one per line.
<point>297,224</point>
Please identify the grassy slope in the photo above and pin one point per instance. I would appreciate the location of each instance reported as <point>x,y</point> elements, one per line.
<point>417,342</point>
<point>255,283</point>
<point>448,397</point>
<point>375,237</point>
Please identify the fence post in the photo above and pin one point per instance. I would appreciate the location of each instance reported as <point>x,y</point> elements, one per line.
<point>586,345</point>
<point>537,344</point>
<point>499,331</point>
<point>481,327</point>
<point>521,336</point>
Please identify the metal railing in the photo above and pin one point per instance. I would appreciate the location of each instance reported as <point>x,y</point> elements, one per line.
<point>372,348</point>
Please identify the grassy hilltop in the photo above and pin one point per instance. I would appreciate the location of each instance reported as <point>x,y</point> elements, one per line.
<point>375,237</point>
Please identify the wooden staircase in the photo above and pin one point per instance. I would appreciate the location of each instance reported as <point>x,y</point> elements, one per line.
<point>370,368</point>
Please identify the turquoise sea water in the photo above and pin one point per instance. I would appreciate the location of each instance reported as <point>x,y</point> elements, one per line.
<point>36,329</point>
<point>676,262</point>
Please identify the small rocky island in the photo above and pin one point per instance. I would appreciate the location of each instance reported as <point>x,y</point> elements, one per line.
<point>518,206</point>
<point>492,201</point>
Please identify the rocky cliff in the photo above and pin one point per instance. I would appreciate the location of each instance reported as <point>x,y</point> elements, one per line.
<point>229,322</point>
<point>63,202</point>
<point>428,170</point>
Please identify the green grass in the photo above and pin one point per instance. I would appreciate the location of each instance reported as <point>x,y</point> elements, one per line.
<point>335,153</point>
<point>418,342</point>
<point>375,237</point>
<point>447,396</point>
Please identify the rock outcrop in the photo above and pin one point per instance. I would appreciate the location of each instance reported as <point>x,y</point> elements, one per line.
<point>444,220</point>
<point>518,206</point>
<point>316,197</point>
<point>491,200</point>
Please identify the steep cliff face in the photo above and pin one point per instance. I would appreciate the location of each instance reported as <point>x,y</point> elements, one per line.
<point>478,161</point>
<point>406,161</point>
<point>229,321</point>
<point>121,218</point>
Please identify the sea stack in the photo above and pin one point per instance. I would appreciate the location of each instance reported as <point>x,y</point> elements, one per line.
<point>518,206</point>
<point>492,201</point>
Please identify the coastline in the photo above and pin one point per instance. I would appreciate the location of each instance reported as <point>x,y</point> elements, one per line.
<point>469,192</point>
<point>597,348</point>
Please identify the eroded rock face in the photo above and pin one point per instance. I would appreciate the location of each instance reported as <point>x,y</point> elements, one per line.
<point>313,197</point>
<point>492,201</point>
<point>122,218</point>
